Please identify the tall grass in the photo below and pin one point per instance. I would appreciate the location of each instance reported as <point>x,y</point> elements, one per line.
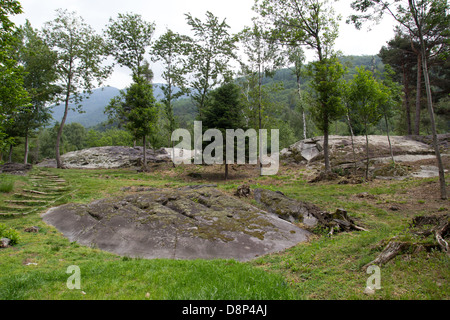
<point>6,186</point>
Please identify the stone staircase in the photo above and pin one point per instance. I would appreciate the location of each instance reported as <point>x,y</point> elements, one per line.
<point>45,189</point>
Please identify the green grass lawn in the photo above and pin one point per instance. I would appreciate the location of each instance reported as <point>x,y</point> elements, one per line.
<point>323,268</point>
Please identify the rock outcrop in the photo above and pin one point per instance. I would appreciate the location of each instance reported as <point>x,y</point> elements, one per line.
<point>308,214</point>
<point>341,151</point>
<point>186,223</point>
<point>108,158</point>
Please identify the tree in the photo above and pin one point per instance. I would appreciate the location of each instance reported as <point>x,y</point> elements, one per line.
<point>80,53</point>
<point>211,49</point>
<point>312,23</point>
<point>74,137</point>
<point>39,64</point>
<point>128,38</point>
<point>390,100</point>
<point>399,55</point>
<point>328,97</point>
<point>365,97</point>
<point>138,109</point>
<point>12,93</point>
<point>171,49</point>
<point>296,56</point>
<point>223,112</point>
<point>263,59</point>
<point>347,102</point>
<point>142,116</point>
<point>416,16</point>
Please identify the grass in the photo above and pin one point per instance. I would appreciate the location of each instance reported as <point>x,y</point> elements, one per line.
<point>323,268</point>
<point>6,186</point>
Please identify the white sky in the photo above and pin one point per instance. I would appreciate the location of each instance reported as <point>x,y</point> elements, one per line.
<point>170,14</point>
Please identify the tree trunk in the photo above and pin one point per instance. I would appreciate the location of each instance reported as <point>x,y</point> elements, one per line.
<point>36,151</point>
<point>389,139</point>
<point>429,100</point>
<point>25,158</point>
<point>10,153</point>
<point>226,171</point>
<point>304,124</point>
<point>260,120</point>
<point>59,135</point>
<point>303,110</point>
<point>367,153</point>
<point>353,142</point>
<point>144,164</point>
<point>433,128</point>
<point>418,95</point>
<point>407,106</point>
<point>325,145</point>
<point>173,155</point>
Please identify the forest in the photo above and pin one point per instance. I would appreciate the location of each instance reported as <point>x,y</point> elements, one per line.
<point>276,84</point>
<point>53,100</point>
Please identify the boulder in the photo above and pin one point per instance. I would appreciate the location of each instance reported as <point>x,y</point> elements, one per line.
<point>185,223</point>
<point>108,158</point>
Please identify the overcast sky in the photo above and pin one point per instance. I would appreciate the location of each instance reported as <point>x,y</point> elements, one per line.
<point>170,14</point>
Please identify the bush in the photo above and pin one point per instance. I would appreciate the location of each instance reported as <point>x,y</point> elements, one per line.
<point>9,233</point>
<point>6,186</point>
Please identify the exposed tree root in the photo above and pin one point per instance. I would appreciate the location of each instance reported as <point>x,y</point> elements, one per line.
<point>423,227</point>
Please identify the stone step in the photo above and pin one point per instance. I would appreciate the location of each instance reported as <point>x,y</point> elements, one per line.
<point>12,214</point>
<point>55,188</point>
<point>37,192</point>
<point>52,180</point>
<point>27,202</point>
<point>32,196</point>
<point>47,185</point>
<point>14,208</point>
<point>44,177</point>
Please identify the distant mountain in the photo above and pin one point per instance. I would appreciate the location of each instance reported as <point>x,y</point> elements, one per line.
<point>93,107</point>
<point>184,109</point>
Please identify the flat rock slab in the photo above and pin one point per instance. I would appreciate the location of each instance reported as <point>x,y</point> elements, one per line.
<point>186,223</point>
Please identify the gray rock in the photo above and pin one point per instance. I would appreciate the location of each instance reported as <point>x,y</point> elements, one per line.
<point>286,208</point>
<point>187,223</point>
<point>4,242</point>
<point>108,158</point>
<point>341,152</point>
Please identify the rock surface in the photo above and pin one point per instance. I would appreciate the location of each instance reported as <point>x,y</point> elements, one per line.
<point>286,208</point>
<point>108,158</point>
<point>303,212</point>
<point>187,223</point>
<point>341,152</point>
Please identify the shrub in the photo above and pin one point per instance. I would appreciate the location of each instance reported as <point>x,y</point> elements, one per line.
<point>9,233</point>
